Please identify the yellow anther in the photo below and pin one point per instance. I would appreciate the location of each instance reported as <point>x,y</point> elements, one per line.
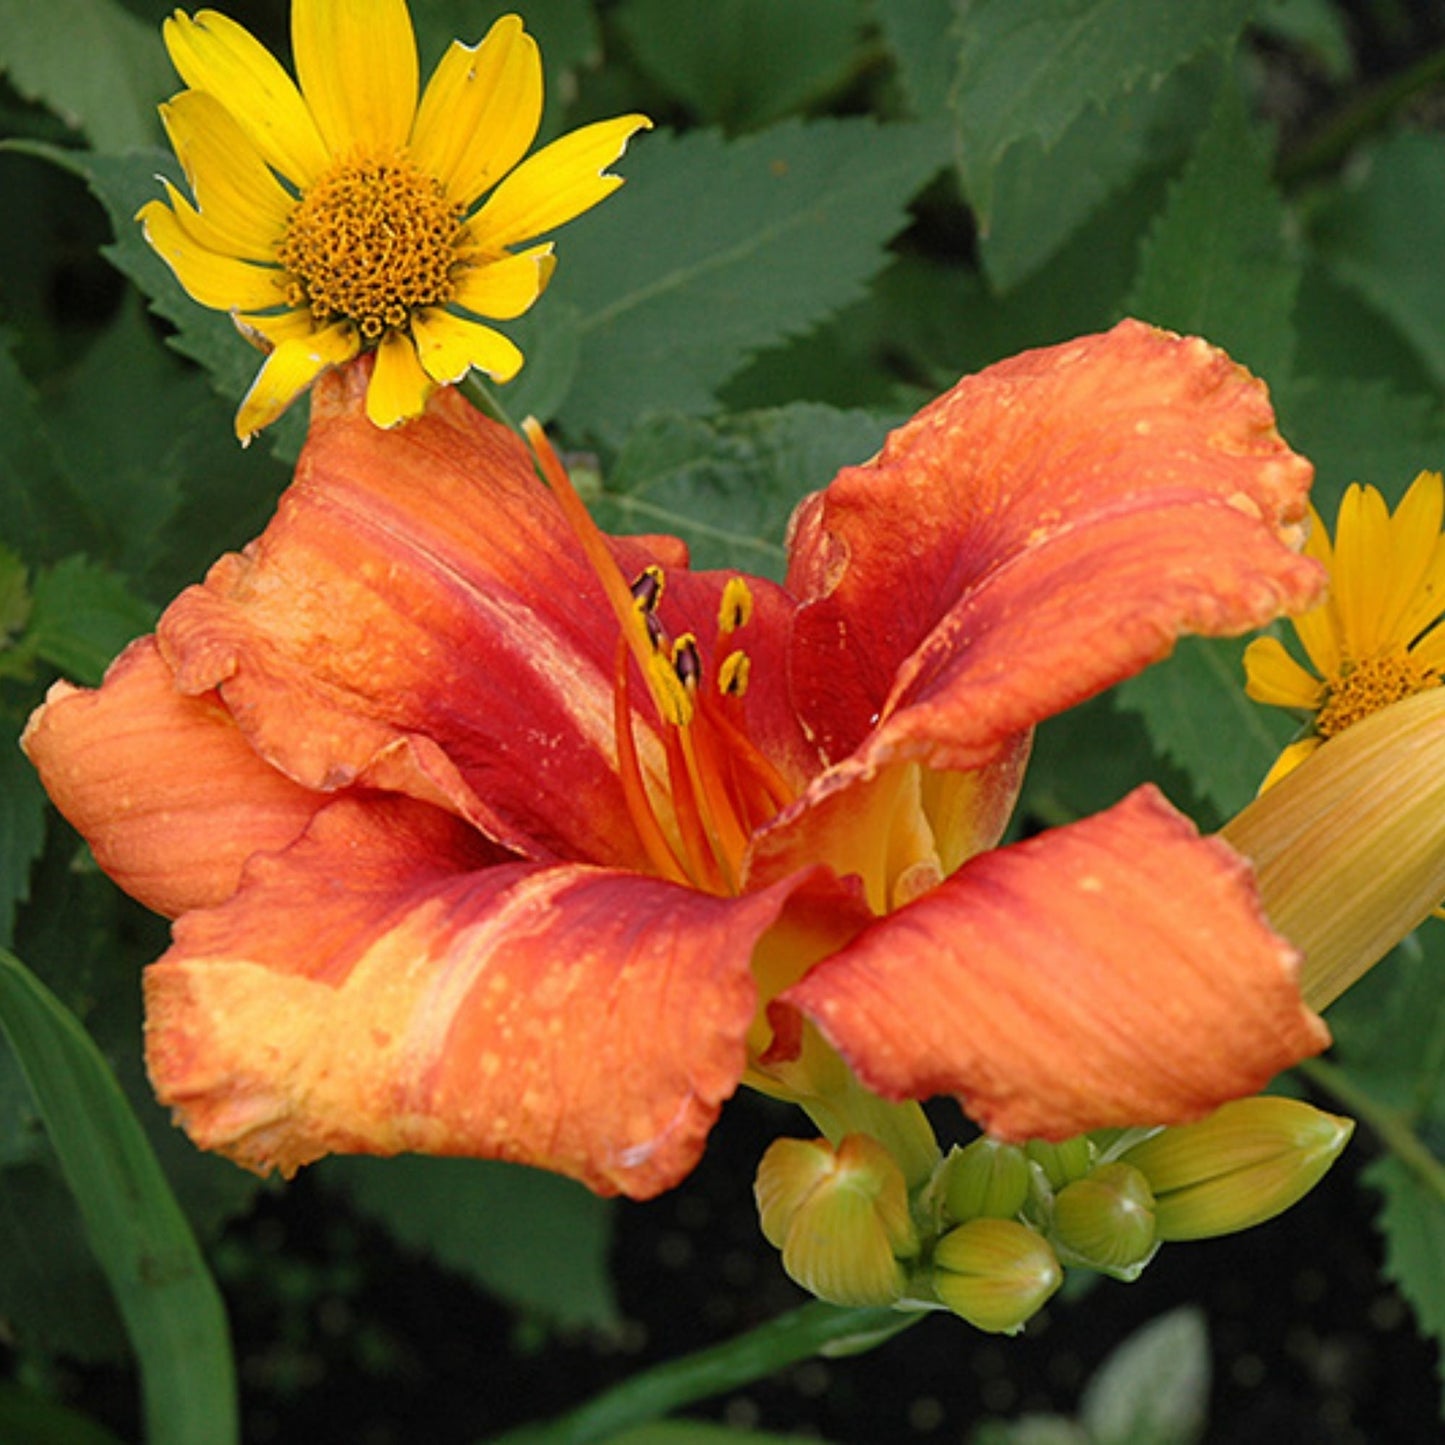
<point>736,608</point>
<point>732,674</point>
<point>647,588</point>
<point>686,663</point>
<point>670,694</point>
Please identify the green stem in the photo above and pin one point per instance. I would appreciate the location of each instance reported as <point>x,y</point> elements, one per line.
<point>1390,1125</point>
<point>804,1332</point>
<point>1371,110</point>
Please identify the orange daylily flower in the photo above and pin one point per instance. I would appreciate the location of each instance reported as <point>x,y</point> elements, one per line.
<point>488,834</point>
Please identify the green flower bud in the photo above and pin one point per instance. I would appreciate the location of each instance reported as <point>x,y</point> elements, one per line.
<point>995,1273</point>
<point>840,1217</point>
<point>1106,1221</point>
<point>1063,1162</point>
<point>1248,1161</point>
<point>987,1178</point>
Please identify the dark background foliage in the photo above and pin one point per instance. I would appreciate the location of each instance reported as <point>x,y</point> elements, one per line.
<point>847,204</point>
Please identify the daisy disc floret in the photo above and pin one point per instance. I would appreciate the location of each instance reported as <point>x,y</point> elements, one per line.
<point>338,214</point>
<point>1378,637</point>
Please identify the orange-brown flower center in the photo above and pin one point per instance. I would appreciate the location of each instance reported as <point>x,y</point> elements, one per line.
<point>372,242</point>
<point>1366,687</point>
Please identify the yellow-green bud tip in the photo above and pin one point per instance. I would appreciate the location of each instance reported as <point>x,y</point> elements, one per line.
<point>995,1273</point>
<point>840,1217</point>
<point>986,1179</point>
<point>1248,1161</point>
<point>1106,1221</point>
<point>1063,1162</point>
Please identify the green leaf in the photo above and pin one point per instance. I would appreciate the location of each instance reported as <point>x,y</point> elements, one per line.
<point>56,1301</point>
<point>41,516</point>
<point>1412,1220</point>
<point>84,614</point>
<point>22,824</point>
<point>115,427</point>
<point>536,1240</point>
<point>1383,235</point>
<point>30,1419</point>
<point>1215,263</point>
<point>1359,431</point>
<point>744,63</point>
<point>728,488</point>
<point>1154,1388</point>
<point>98,67</point>
<point>1194,706</point>
<point>172,1310</point>
<point>916,31</point>
<point>1027,71</point>
<point>714,250</point>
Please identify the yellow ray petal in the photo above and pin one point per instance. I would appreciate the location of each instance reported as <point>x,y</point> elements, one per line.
<point>1289,760</point>
<point>1274,677</point>
<point>289,370</point>
<point>356,61</point>
<point>1359,586</point>
<point>223,282</point>
<point>237,192</point>
<point>449,346</point>
<point>558,183</point>
<point>214,54</point>
<point>480,111</point>
<point>505,289</point>
<point>399,384</point>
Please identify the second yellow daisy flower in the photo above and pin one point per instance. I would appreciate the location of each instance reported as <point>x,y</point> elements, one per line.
<point>337,213</point>
<point>1378,637</point>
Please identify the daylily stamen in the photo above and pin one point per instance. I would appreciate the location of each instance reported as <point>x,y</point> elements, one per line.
<point>732,674</point>
<point>736,608</point>
<point>634,790</point>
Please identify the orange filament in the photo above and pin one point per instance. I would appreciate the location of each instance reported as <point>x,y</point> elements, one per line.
<point>719,784</point>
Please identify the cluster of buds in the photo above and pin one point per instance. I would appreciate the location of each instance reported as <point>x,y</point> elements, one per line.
<point>989,1234</point>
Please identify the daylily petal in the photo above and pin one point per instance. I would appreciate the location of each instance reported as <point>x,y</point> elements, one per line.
<point>449,346</point>
<point>221,281</point>
<point>164,788</point>
<point>1086,978</point>
<point>1274,677</point>
<point>505,289</point>
<point>480,111</point>
<point>289,370</point>
<point>356,61</point>
<point>214,54</point>
<point>235,189</point>
<point>399,384</point>
<point>375,989</point>
<point>419,587</point>
<point>557,184</point>
<point>1085,505</point>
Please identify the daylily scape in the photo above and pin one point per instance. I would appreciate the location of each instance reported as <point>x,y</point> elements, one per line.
<point>487,834</point>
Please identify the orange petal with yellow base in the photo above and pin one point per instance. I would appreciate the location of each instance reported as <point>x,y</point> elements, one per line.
<point>1043,530</point>
<point>1117,971</point>
<point>163,786</point>
<point>380,988</point>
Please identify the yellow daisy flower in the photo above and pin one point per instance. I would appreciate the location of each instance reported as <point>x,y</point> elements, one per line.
<point>1378,636</point>
<point>338,214</point>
